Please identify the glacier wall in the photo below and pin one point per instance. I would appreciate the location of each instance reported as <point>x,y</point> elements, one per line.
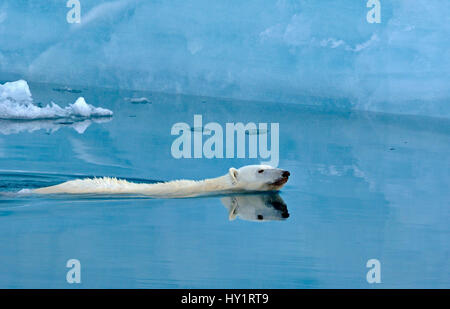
<point>304,51</point>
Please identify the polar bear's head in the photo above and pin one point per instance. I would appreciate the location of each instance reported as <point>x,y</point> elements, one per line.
<point>259,177</point>
<point>256,207</point>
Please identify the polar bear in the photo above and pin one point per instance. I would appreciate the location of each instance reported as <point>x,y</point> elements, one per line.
<point>256,207</point>
<point>247,178</point>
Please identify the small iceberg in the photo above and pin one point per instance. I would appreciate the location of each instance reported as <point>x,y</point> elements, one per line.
<point>67,89</point>
<point>16,103</point>
<point>142,100</point>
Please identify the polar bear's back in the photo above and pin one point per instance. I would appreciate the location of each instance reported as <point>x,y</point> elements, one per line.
<point>104,185</point>
<point>107,185</point>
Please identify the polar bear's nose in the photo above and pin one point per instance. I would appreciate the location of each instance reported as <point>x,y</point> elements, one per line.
<point>286,174</point>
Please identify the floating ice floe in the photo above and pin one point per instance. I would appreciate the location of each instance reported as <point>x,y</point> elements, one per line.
<point>16,103</point>
<point>67,89</point>
<point>142,100</point>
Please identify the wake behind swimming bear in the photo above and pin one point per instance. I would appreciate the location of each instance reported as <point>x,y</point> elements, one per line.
<point>247,178</point>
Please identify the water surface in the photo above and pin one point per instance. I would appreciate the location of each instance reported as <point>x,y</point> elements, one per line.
<point>362,186</point>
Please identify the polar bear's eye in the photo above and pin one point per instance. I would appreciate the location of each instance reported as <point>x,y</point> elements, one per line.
<point>260,171</point>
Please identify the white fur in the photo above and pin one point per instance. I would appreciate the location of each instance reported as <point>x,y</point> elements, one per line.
<point>247,178</point>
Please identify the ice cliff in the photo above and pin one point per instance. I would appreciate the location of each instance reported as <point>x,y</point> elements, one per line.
<point>313,52</point>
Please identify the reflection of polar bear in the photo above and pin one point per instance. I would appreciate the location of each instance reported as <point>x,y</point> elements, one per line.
<point>247,178</point>
<point>256,207</point>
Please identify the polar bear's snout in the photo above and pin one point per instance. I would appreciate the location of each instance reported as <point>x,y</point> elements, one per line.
<point>284,177</point>
<point>281,180</point>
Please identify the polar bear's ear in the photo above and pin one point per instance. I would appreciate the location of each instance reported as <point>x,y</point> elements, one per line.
<point>233,174</point>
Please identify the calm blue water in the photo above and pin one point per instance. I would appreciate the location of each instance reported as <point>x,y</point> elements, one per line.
<point>362,186</point>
